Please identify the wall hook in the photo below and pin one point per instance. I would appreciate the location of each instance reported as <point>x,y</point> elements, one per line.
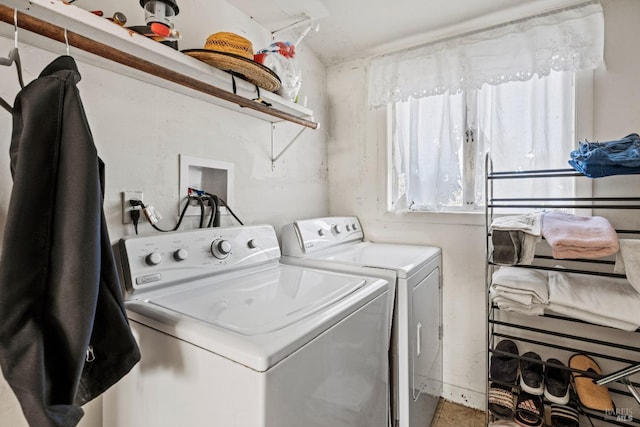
<point>66,40</point>
<point>15,28</point>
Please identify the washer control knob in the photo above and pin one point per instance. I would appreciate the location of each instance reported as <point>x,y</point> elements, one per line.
<point>154,258</point>
<point>321,232</point>
<point>348,227</point>
<point>252,244</point>
<point>220,248</point>
<point>354,227</point>
<point>180,254</point>
<point>337,229</point>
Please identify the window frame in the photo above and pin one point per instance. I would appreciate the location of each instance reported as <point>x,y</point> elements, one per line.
<point>583,128</point>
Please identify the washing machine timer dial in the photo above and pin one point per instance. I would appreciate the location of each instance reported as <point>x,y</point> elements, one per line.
<point>220,248</point>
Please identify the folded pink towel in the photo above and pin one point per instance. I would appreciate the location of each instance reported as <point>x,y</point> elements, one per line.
<point>572,236</point>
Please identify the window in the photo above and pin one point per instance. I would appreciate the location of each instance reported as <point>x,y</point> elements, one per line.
<point>438,143</point>
<point>508,89</point>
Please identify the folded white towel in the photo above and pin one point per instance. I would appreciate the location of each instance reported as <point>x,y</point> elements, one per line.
<point>575,313</point>
<point>530,223</point>
<point>597,299</point>
<point>514,281</point>
<point>508,304</point>
<point>628,261</point>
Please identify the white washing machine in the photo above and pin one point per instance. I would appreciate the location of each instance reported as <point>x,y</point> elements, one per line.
<point>337,244</point>
<point>231,337</point>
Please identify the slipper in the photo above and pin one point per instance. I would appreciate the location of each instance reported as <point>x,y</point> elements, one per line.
<point>504,369</point>
<point>591,395</point>
<point>531,374</point>
<point>501,401</point>
<point>556,382</point>
<point>565,415</point>
<point>529,410</point>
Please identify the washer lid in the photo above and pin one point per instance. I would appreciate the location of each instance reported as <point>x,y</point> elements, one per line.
<point>404,259</point>
<point>261,303</point>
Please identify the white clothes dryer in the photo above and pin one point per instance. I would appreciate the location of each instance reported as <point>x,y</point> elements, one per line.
<point>338,244</point>
<point>231,337</point>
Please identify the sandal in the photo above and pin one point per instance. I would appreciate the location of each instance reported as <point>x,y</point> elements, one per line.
<point>501,401</point>
<point>556,382</point>
<point>591,395</point>
<point>504,369</point>
<point>565,415</point>
<point>531,374</point>
<point>529,410</point>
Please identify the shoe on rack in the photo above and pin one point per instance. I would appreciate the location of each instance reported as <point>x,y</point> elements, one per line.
<point>556,382</point>
<point>529,410</point>
<point>504,368</point>
<point>501,401</point>
<point>591,395</point>
<point>565,415</point>
<point>531,374</point>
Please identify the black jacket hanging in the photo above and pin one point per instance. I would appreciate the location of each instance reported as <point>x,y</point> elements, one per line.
<point>64,334</point>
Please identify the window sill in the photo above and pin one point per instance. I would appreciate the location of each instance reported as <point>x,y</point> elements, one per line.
<point>453,217</point>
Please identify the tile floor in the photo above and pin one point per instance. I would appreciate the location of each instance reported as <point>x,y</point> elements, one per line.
<point>449,414</point>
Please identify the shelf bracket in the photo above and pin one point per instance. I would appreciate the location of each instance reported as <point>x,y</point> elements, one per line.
<point>295,138</point>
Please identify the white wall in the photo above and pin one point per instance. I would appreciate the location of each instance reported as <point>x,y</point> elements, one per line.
<point>357,180</point>
<point>140,130</point>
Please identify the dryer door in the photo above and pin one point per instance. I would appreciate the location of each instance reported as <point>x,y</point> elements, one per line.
<point>426,347</point>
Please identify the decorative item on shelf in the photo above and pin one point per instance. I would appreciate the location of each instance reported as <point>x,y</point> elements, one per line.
<point>280,57</point>
<point>118,18</point>
<point>233,53</point>
<point>158,16</point>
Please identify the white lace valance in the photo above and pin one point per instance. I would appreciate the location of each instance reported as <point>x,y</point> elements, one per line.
<point>570,39</point>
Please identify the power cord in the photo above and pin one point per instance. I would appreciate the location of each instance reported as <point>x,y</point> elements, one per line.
<point>199,196</point>
<point>135,218</point>
<point>149,213</point>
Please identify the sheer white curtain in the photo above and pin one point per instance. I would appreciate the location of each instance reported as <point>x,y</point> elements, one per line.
<point>437,166</point>
<point>570,39</point>
<point>427,140</point>
<point>512,87</point>
<point>525,126</point>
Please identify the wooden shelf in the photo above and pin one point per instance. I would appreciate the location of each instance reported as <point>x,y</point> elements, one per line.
<point>99,42</point>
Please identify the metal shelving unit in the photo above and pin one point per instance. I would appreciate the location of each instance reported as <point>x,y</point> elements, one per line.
<point>561,334</point>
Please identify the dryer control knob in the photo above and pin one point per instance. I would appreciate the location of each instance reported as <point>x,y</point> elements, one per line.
<point>154,258</point>
<point>321,232</point>
<point>348,227</point>
<point>220,248</point>
<point>252,244</point>
<point>337,229</point>
<point>180,254</point>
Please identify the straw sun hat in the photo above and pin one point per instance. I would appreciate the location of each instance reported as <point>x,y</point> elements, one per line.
<point>233,53</point>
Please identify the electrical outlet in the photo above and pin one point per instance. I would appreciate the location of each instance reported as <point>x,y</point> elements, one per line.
<point>126,206</point>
